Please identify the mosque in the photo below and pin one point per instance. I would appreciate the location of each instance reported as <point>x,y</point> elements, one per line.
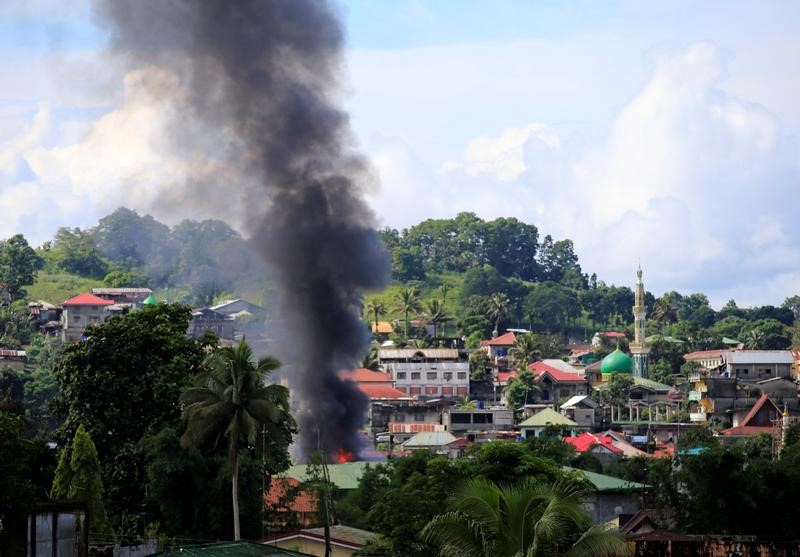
<point>618,361</point>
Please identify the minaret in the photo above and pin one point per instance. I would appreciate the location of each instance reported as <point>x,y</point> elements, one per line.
<point>639,348</point>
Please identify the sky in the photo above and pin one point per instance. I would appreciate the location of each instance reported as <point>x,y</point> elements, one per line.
<point>660,133</point>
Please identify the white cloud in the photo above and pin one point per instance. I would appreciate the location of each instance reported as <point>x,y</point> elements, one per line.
<point>690,178</point>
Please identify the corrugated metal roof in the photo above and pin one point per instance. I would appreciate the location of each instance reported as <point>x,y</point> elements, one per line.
<point>430,439</point>
<point>409,353</point>
<point>546,417</point>
<point>578,399</point>
<point>343,476</point>
<point>427,366</point>
<point>759,357</point>
<point>121,291</point>
<point>602,482</point>
<point>229,549</point>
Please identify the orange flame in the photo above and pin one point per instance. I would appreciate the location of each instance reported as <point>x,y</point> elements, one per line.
<point>343,455</point>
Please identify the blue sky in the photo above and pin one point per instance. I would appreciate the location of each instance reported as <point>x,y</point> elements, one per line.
<point>665,132</point>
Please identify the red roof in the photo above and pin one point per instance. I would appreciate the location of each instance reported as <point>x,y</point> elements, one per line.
<point>745,427</point>
<point>86,299</point>
<point>540,369</point>
<point>364,375</point>
<point>504,376</point>
<point>381,392</point>
<point>612,334</point>
<point>460,442</point>
<point>304,501</point>
<point>585,441</point>
<point>507,339</point>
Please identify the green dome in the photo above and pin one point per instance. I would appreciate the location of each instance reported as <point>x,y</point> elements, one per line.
<point>150,300</point>
<point>617,362</point>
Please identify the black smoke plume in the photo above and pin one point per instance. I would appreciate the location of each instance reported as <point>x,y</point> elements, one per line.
<point>253,85</point>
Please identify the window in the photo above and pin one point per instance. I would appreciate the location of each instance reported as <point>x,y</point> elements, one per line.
<point>482,418</point>
<point>462,375</point>
<point>401,375</point>
<point>459,418</point>
<point>419,417</point>
<point>415,375</point>
<point>399,417</point>
<point>431,375</point>
<point>94,308</point>
<point>448,375</point>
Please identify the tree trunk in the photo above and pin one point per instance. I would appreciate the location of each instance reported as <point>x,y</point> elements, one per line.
<point>235,492</point>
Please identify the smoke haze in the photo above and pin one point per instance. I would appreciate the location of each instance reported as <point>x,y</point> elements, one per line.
<point>252,86</point>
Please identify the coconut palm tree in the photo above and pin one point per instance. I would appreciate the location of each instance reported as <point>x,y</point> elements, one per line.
<point>497,310</point>
<point>372,359</point>
<point>664,310</point>
<point>529,519</point>
<point>436,313</point>
<point>755,339</point>
<point>234,402</point>
<point>526,349</point>
<point>408,301</point>
<point>376,308</point>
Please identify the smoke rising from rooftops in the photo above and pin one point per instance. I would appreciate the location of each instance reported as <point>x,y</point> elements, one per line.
<point>252,84</point>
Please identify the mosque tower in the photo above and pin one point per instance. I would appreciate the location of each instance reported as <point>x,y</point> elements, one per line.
<point>639,348</point>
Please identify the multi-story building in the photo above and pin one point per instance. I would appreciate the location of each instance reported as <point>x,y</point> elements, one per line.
<point>731,379</point>
<point>474,420</point>
<point>427,372</point>
<point>81,311</point>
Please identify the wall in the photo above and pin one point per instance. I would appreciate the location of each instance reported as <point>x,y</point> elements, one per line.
<point>717,547</point>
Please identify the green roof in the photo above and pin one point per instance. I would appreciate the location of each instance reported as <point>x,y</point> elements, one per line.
<point>650,384</point>
<point>601,482</point>
<point>343,476</point>
<point>229,549</point>
<point>546,417</point>
<point>150,300</point>
<point>617,362</point>
<point>726,340</point>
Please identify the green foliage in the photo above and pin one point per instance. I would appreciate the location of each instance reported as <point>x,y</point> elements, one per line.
<point>15,327</point>
<point>553,304</point>
<point>766,334</point>
<point>78,477</point>
<point>521,389</point>
<point>57,287</point>
<point>235,403</point>
<point>479,365</point>
<point>123,383</point>
<point>26,469</point>
<point>75,251</point>
<point>132,278</point>
<point>19,264</point>
<point>203,482</point>
<point>617,390</point>
<point>531,518</point>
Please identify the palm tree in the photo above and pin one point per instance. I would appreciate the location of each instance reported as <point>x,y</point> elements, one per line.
<point>497,310</point>
<point>436,313</point>
<point>755,339</point>
<point>530,315</point>
<point>372,360</point>
<point>526,349</point>
<point>664,310</point>
<point>529,519</point>
<point>376,308</point>
<point>408,301</point>
<point>234,402</point>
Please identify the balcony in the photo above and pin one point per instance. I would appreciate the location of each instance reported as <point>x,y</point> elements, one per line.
<point>694,376</point>
<point>698,416</point>
<point>695,395</point>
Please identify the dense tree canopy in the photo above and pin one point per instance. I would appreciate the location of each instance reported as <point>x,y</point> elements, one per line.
<point>123,383</point>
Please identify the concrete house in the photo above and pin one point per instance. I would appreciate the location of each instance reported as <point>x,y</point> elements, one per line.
<point>80,312</point>
<point>427,372</point>
<point>538,424</point>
